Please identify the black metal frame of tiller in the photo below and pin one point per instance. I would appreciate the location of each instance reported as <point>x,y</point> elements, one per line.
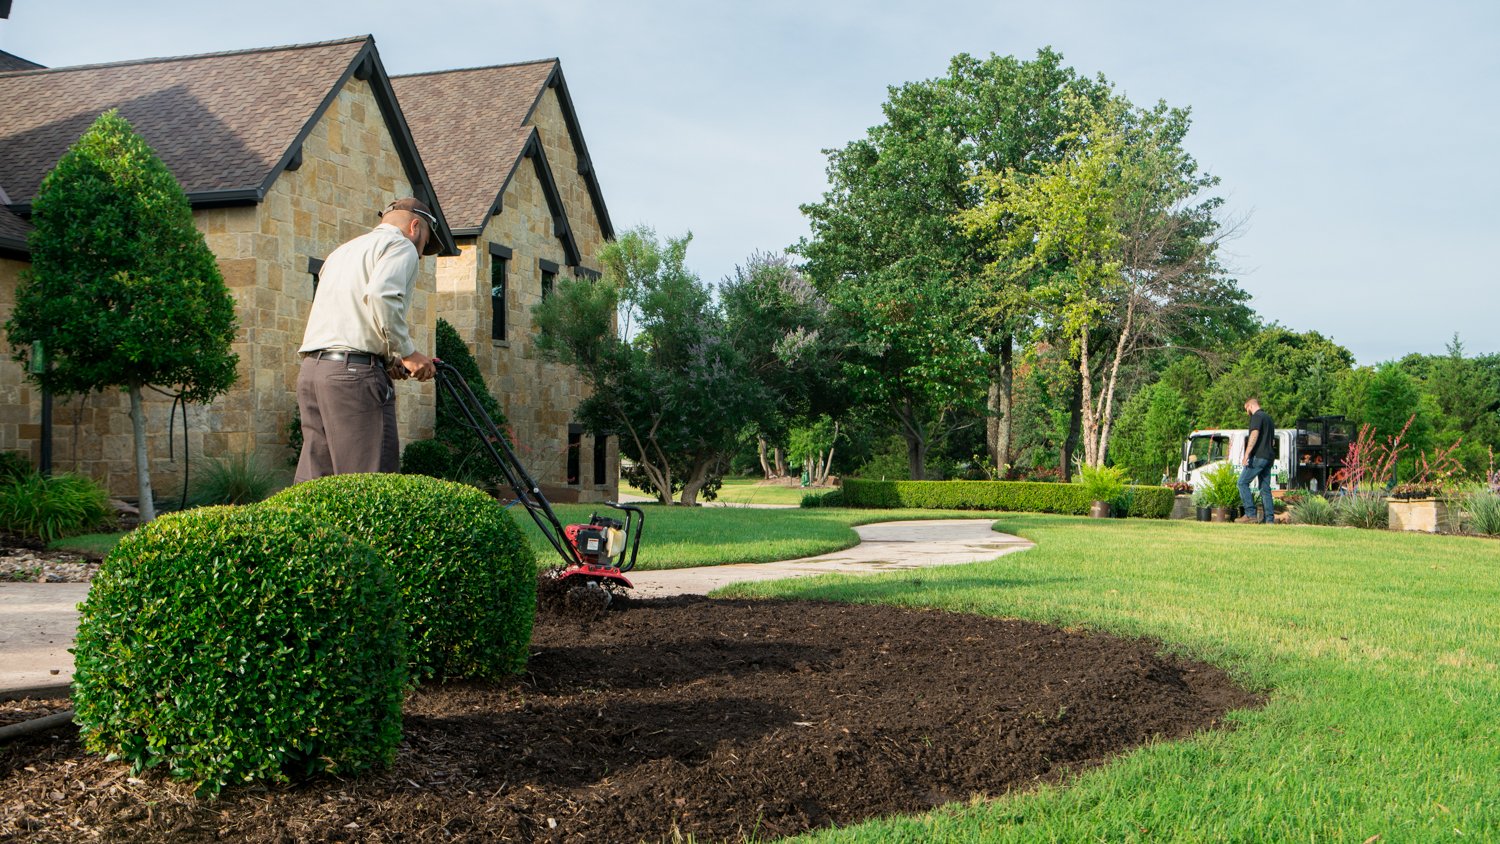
<point>528,491</point>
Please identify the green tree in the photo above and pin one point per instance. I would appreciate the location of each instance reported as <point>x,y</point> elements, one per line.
<point>1123,239</point>
<point>122,291</point>
<point>1295,375</point>
<point>669,383</point>
<point>787,338</point>
<point>1148,439</point>
<point>937,330</point>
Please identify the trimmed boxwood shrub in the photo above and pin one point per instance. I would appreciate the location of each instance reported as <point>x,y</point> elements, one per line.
<point>466,574</point>
<point>238,643</point>
<point>832,498</point>
<point>1149,502</point>
<point>427,457</point>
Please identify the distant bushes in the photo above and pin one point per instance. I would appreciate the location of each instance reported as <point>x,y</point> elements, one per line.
<point>1151,502</point>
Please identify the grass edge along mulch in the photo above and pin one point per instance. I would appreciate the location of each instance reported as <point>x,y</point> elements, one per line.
<point>1379,650</point>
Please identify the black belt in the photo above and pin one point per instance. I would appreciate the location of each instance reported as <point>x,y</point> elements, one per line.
<point>351,357</point>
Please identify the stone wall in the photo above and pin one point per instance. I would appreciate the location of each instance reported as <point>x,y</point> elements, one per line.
<point>350,170</point>
<point>19,416</point>
<point>540,399</point>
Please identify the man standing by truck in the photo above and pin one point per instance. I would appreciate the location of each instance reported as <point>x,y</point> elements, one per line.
<point>1259,455</point>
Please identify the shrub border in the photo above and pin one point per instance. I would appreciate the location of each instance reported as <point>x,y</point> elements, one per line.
<point>1149,502</point>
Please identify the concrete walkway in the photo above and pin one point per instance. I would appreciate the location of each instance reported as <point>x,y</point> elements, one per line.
<point>886,546</point>
<point>38,620</point>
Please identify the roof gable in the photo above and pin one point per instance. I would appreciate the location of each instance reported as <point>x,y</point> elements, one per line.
<point>477,120</point>
<point>11,61</point>
<point>225,124</point>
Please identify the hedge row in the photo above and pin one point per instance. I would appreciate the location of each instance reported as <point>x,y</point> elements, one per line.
<point>1148,502</point>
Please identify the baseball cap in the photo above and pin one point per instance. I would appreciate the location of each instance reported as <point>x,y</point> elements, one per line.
<point>418,207</point>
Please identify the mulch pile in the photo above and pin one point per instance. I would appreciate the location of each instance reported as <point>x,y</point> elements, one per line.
<point>719,719</point>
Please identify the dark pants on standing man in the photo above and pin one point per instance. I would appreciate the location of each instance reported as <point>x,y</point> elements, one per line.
<point>1258,467</point>
<point>348,419</point>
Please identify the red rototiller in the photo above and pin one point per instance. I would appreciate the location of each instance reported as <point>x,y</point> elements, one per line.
<point>594,555</point>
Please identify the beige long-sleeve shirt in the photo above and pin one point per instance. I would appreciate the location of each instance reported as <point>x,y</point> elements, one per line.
<point>364,291</point>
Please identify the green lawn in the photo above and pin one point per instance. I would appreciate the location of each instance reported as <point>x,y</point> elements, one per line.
<point>92,544</point>
<point>677,537</point>
<point>1379,651</point>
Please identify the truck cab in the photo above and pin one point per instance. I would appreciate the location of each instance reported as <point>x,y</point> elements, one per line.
<point>1306,457</point>
<point>1205,450</point>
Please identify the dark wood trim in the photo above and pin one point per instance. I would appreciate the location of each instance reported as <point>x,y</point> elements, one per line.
<point>315,265</point>
<point>547,266</point>
<point>366,66</point>
<point>498,251</point>
<point>585,272</point>
<point>580,148</point>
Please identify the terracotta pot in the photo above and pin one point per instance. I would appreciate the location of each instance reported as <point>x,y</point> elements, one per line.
<point>1100,510</point>
<point>1221,514</point>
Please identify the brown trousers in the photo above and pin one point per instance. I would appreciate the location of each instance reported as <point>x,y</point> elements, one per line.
<point>348,419</point>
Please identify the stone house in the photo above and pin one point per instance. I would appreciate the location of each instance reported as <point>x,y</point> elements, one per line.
<point>524,203</point>
<point>284,153</point>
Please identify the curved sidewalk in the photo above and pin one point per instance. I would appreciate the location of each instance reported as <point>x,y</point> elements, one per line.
<point>38,620</point>
<point>883,546</point>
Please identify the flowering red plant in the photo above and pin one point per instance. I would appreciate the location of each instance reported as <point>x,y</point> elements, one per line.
<point>1370,463</point>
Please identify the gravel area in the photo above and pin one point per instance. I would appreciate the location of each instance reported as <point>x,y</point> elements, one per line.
<point>26,565</point>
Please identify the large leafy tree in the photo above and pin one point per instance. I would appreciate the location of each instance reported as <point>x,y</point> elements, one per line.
<point>1152,427</point>
<point>1295,375</point>
<point>1121,237</point>
<point>936,329</point>
<point>669,382</point>
<point>122,291</point>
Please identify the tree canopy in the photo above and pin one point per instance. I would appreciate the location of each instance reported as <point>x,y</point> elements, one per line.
<point>122,290</point>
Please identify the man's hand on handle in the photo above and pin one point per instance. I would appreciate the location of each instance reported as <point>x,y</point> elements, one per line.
<point>419,366</point>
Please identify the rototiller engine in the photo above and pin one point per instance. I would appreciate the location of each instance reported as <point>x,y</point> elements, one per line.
<point>594,555</point>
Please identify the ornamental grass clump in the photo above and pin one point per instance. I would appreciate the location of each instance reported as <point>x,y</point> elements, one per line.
<point>49,508</point>
<point>1313,510</point>
<point>465,573</point>
<point>231,644</point>
<point>1367,510</point>
<point>1481,509</point>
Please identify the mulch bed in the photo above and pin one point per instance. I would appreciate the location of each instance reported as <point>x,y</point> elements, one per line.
<point>719,719</point>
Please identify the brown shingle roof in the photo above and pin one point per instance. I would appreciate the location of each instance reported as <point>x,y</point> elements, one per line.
<point>220,122</point>
<point>469,125</point>
<point>11,61</point>
<point>13,231</point>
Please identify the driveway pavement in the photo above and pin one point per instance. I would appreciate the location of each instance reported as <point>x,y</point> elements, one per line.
<point>38,620</point>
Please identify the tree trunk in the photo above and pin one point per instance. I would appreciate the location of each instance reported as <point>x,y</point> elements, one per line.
<point>1075,418</point>
<point>780,461</point>
<point>142,465</point>
<point>827,467</point>
<point>998,421</point>
<point>916,440</point>
<point>695,482</point>
<point>760,446</point>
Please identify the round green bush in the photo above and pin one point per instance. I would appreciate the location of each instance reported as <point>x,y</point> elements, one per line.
<point>427,457</point>
<point>466,574</point>
<point>241,643</point>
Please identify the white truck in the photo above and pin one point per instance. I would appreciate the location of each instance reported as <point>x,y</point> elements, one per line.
<point>1305,457</point>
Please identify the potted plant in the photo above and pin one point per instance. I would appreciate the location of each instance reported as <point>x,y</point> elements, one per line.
<point>1104,485</point>
<point>1200,504</point>
<point>1223,488</point>
<point>1182,505</point>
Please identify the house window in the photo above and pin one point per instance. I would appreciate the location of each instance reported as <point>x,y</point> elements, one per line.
<point>575,445</point>
<point>549,276</point>
<point>601,459</point>
<point>499,273</point>
<point>315,268</point>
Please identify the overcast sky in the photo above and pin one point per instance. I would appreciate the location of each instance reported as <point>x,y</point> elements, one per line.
<point>1361,139</point>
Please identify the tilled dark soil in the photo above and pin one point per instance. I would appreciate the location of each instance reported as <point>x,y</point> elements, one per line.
<point>719,719</point>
